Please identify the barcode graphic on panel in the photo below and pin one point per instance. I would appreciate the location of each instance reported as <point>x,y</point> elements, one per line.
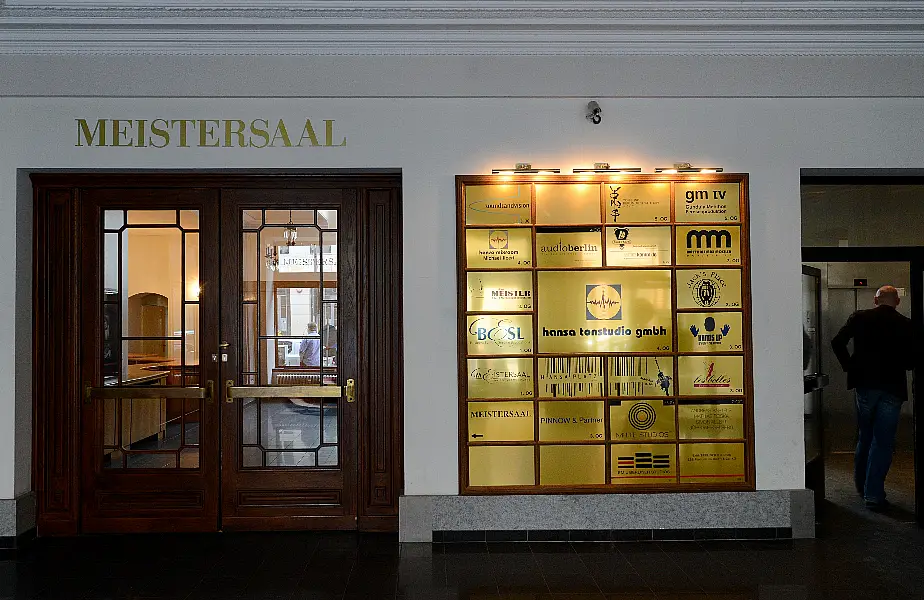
<point>571,377</point>
<point>629,376</point>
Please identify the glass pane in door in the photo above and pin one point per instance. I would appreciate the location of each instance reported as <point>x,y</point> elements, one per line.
<point>150,337</point>
<point>289,338</point>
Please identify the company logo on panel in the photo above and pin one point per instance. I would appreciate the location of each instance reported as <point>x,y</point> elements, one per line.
<point>499,331</point>
<point>603,302</point>
<point>642,416</point>
<point>709,334</point>
<point>489,375</point>
<point>498,239</point>
<point>706,289</point>
<point>711,379</point>
<point>644,460</point>
<point>709,239</point>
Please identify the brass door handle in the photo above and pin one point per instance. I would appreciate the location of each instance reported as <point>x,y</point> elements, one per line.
<point>351,390</point>
<point>154,392</point>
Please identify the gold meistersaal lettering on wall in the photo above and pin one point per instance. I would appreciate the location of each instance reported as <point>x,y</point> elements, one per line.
<point>571,377</point>
<point>563,247</point>
<point>705,201</point>
<point>500,378</point>
<point>508,291</point>
<point>604,311</point>
<point>709,288</point>
<point>500,422</point>
<point>708,245</point>
<point>507,248</point>
<point>636,202</point>
<point>499,334</point>
<point>502,204</point>
<point>709,332</point>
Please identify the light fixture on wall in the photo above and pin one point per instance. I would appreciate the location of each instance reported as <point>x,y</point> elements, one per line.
<point>603,167</point>
<point>688,168</point>
<point>271,258</point>
<point>526,168</point>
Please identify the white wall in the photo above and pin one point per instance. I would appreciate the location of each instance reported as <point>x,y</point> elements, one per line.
<point>432,140</point>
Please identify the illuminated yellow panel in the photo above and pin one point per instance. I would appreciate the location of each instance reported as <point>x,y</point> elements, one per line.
<point>706,202</point>
<point>708,245</point>
<point>505,291</point>
<point>571,421</point>
<point>572,465</point>
<point>711,419</point>
<point>642,420</point>
<point>571,377</point>
<point>499,248</point>
<point>499,334</point>
<point>712,463</point>
<point>709,332</point>
<point>561,248</point>
<point>646,464</point>
<point>710,375</point>
<point>631,376</point>
<point>567,204</point>
<point>709,288</point>
<point>501,465</point>
<point>638,246</point>
<point>636,202</point>
<point>500,378</point>
<point>604,311</point>
<point>504,204</point>
<point>501,422</point>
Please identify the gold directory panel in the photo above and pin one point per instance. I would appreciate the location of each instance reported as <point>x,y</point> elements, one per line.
<point>604,333</point>
<point>638,246</point>
<point>711,419</point>
<point>500,334</point>
<point>714,289</point>
<point>506,291</point>
<point>712,463</point>
<point>498,204</point>
<point>636,202</point>
<point>706,202</point>
<point>562,247</point>
<point>510,248</point>
<point>604,311</point>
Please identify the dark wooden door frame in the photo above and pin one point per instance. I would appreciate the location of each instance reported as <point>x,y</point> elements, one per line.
<point>56,332</point>
<point>914,256</point>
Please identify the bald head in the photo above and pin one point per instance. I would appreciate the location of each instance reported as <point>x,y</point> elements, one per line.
<point>887,295</point>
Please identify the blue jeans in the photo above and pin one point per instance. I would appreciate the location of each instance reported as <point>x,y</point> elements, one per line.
<point>877,417</point>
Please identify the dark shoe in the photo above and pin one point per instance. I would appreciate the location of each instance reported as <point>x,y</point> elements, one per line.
<point>878,505</point>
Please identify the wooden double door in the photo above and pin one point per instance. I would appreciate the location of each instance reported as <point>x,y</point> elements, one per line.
<point>238,353</point>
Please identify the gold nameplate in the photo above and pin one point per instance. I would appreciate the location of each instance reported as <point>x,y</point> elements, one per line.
<point>709,332</point>
<point>636,202</point>
<point>499,248</point>
<point>712,463</point>
<point>575,421</point>
<point>571,377</point>
<point>567,204</point>
<point>504,204</point>
<point>572,465</point>
<point>709,288</point>
<point>708,245</point>
<point>711,419</point>
<point>501,466</point>
<point>710,375</point>
<point>604,311</point>
<point>648,464</point>
<point>500,378</point>
<point>640,375</point>
<point>505,291</point>
<point>499,334</point>
<point>641,420</point>
<point>558,247</point>
<point>500,422</point>
<point>638,246</point>
<point>706,202</point>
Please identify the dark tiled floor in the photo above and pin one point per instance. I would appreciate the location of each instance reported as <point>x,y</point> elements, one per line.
<point>858,555</point>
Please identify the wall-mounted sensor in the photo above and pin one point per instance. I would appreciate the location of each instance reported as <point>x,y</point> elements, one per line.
<point>594,112</point>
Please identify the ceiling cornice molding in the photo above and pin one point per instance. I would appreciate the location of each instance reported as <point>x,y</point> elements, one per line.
<point>483,28</point>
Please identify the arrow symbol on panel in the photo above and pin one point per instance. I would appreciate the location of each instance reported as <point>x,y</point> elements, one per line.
<point>476,435</point>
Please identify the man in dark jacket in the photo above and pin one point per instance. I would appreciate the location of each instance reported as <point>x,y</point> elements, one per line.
<point>882,352</point>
